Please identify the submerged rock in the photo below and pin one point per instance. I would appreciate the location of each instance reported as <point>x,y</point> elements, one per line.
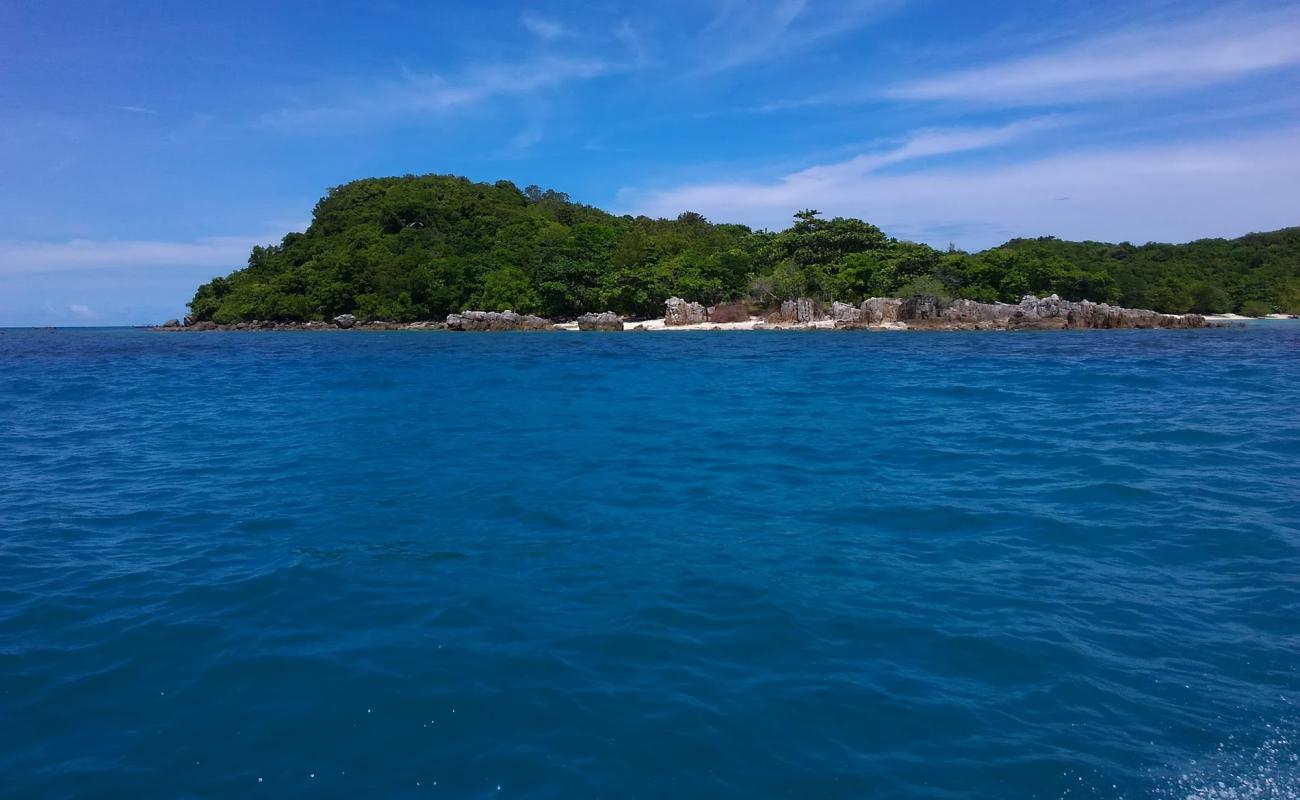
<point>497,321</point>
<point>603,321</point>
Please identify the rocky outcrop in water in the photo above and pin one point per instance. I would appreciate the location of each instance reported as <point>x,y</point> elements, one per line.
<point>679,312</point>
<point>497,321</point>
<point>604,321</point>
<point>915,313</point>
<point>1031,313</point>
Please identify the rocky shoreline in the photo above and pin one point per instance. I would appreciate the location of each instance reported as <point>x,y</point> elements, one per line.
<point>876,313</point>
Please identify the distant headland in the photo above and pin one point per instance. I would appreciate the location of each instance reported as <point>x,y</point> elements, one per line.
<point>417,251</point>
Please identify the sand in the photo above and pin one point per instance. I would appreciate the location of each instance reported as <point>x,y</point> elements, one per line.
<point>750,324</point>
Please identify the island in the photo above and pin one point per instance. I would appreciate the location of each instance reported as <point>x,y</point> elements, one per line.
<point>443,252</point>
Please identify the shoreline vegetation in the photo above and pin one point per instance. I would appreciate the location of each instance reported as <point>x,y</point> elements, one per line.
<point>417,251</point>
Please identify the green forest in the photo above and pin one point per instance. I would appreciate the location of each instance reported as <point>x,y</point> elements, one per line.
<point>420,247</point>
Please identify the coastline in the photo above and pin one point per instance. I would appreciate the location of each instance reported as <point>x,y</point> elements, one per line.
<point>927,313</point>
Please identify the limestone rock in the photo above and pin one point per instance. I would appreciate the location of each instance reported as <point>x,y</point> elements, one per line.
<point>679,312</point>
<point>603,321</point>
<point>880,310</point>
<point>843,312</point>
<point>497,321</point>
<point>345,321</point>
<point>807,310</point>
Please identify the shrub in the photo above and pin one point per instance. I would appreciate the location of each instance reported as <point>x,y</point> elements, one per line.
<point>1255,308</point>
<point>736,311</point>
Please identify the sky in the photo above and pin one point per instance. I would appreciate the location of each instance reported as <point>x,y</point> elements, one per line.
<point>146,146</point>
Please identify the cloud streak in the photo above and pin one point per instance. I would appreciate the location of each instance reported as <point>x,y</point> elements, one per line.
<point>433,94</point>
<point>1156,58</point>
<point>27,257</point>
<point>1170,192</point>
<point>544,29</point>
<point>743,33</point>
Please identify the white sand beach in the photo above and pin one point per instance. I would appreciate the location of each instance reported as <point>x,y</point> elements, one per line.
<point>753,323</point>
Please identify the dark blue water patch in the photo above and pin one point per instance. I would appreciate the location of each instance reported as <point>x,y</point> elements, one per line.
<point>806,565</point>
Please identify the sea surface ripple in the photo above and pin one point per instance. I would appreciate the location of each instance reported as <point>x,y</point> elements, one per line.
<point>664,565</point>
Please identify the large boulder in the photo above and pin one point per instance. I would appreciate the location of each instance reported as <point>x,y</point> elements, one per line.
<point>881,310</point>
<point>345,321</point>
<point>603,321</point>
<point>172,323</point>
<point>679,312</point>
<point>497,321</point>
<point>843,312</point>
<point>920,307</point>
<point>807,310</point>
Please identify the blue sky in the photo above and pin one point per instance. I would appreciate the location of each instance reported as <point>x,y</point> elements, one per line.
<point>145,146</point>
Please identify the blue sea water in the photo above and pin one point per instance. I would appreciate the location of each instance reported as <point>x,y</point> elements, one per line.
<point>884,565</point>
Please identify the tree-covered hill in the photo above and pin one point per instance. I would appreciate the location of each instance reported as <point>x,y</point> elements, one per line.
<point>420,247</point>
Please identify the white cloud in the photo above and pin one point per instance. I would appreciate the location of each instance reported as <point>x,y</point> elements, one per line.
<point>82,310</point>
<point>544,29</point>
<point>1168,192</point>
<point>430,94</point>
<point>1159,57</point>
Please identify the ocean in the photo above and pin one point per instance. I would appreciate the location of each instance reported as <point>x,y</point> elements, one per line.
<point>769,564</point>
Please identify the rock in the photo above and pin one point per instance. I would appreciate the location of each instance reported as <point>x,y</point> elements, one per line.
<point>172,323</point>
<point>1031,313</point>
<point>345,321</point>
<point>843,312</point>
<point>807,310</point>
<point>604,321</point>
<point>679,312</point>
<point>789,312</point>
<point>497,321</point>
<point>188,320</point>
<point>881,310</point>
<point>204,325</point>
<point>639,328</point>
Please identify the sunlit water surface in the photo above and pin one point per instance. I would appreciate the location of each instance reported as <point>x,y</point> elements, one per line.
<point>650,565</point>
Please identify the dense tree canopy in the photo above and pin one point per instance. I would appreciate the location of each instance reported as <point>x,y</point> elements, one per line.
<point>420,247</point>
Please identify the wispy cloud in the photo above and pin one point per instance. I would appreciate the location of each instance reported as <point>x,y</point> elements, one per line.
<point>747,31</point>
<point>1168,192</point>
<point>137,110</point>
<point>807,185</point>
<point>1157,57</point>
<point>431,94</point>
<point>22,256</point>
<point>542,28</point>
<point>82,310</point>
